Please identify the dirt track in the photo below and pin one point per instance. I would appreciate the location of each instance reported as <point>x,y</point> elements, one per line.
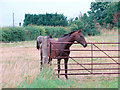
<point>19,62</point>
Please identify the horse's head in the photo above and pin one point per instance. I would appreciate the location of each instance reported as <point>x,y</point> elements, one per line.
<point>49,36</point>
<point>39,41</point>
<point>80,38</point>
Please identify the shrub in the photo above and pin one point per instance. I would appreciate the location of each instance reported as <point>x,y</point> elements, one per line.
<point>10,34</point>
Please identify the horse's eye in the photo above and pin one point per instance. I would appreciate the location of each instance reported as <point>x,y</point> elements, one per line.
<point>80,36</point>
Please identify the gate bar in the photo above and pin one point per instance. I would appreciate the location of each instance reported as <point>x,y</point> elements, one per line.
<point>105,53</point>
<point>90,69</point>
<point>87,57</point>
<point>87,43</point>
<point>90,64</point>
<point>80,50</point>
<point>86,73</point>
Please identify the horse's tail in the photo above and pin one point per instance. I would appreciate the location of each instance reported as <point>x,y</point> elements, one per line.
<point>38,46</point>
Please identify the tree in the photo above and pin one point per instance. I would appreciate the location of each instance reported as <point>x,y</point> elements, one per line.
<point>104,12</point>
<point>97,10</point>
<point>111,13</point>
<point>46,19</point>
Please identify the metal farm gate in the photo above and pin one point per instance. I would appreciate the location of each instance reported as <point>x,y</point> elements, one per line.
<point>92,67</point>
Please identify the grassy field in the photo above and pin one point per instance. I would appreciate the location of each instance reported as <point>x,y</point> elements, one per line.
<point>47,79</point>
<point>20,67</point>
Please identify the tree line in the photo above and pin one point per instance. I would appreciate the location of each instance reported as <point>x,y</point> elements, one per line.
<point>45,19</point>
<point>102,13</point>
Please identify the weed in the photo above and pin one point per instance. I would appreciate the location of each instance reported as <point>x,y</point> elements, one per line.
<point>46,79</point>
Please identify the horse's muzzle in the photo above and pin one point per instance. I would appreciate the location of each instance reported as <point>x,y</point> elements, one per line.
<point>84,45</point>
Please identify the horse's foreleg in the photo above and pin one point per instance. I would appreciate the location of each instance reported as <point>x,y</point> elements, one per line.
<point>58,66</point>
<point>65,62</point>
<point>49,61</point>
<point>38,45</point>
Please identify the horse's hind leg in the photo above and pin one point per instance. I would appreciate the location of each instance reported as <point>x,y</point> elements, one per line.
<point>58,66</point>
<point>41,61</point>
<point>65,62</point>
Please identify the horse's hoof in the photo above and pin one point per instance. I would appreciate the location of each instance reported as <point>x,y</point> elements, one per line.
<point>66,77</point>
<point>41,69</point>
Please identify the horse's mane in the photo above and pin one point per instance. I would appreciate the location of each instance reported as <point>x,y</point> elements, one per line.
<point>67,34</point>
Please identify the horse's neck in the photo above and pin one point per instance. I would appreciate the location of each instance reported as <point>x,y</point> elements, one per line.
<point>67,39</point>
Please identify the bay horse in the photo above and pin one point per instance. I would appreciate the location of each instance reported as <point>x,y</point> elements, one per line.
<point>70,37</point>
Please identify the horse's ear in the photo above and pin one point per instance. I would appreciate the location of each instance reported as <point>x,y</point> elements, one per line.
<point>80,30</point>
<point>51,36</point>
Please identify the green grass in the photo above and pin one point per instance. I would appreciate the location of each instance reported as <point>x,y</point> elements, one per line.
<point>47,79</point>
<point>99,82</point>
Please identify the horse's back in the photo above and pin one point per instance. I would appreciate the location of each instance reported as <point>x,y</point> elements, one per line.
<point>39,39</point>
<point>58,49</point>
<point>51,53</point>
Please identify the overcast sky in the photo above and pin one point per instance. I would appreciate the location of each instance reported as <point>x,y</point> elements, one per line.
<point>70,8</point>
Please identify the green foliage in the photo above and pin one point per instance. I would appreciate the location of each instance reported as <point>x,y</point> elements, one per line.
<point>104,12</point>
<point>11,34</point>
<point>86,23</point>
<point>74,27</point>
<point>46,79</point>
<point>112,14</point>
<point>14,34</point>
<point>45,19</point>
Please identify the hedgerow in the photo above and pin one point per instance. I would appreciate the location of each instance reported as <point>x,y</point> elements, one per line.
<point>14,34</point>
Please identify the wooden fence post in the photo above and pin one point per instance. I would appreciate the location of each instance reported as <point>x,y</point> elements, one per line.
<point>44,50</point>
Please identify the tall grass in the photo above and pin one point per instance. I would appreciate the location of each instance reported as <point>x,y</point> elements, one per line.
<point>46,79</point>
<point>106,36</point>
